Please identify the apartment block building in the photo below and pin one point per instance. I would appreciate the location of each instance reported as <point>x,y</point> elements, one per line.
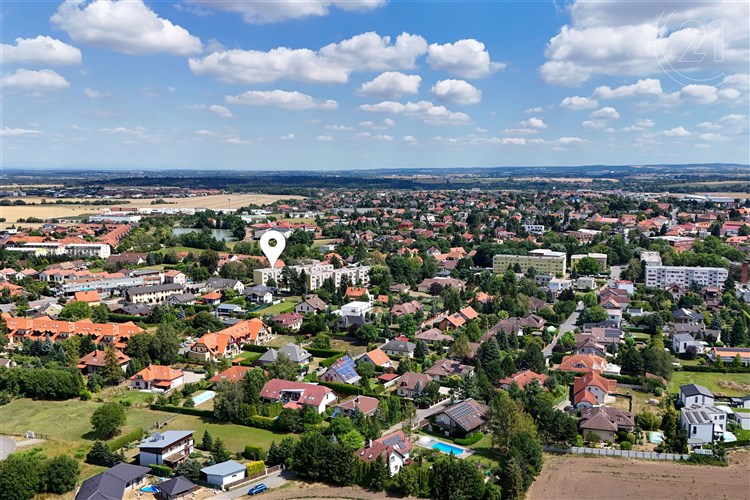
<point>663,276</point>
<point>543,260</point>
<point>317,273</point>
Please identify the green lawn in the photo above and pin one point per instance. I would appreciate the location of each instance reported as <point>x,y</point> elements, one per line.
<point>484,453</point>
<point>235,437</point>
<point>281,340</point>
<point>282,307</point>
<point>252,356</point>
<point>66,420</point>
<point>740,382</point>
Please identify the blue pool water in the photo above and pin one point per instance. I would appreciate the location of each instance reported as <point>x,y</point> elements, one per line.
<point>203,397</point>
<point>446,448</point>
<point>150,489</point>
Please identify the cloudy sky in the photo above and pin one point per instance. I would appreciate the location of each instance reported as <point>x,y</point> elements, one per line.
<point>343,84</point>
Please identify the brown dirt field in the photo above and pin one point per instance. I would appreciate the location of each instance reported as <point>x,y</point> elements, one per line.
<point>301,489</point>
<point>13,213</point>
<point>580,478</point>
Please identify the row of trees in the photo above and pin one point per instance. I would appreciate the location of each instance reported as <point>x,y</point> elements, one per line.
<point>25,475</point>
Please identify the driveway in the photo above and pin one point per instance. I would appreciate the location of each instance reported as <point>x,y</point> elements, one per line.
<point>422,414</point>
<point>7,446</point>
<point>272,481</point>
<point>568,326</point>
<point>192,377</point>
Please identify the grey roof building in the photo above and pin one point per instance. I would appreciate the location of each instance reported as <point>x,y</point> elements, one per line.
<point>175,488</point>
<point>112,483</point>
<point>295,353</point>
<point>268,357</point>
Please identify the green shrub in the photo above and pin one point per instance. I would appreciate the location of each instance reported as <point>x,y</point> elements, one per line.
<point>254,453</point>
<point>185,411</point>
<point>126,439</point>
<point>161,470</point>
<point>257,467</point>
<point>324,353</point>
<point>329,361</point>
<point>471,439</point>
<point>626,445</point>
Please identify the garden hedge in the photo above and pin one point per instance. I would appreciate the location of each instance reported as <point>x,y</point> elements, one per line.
<point>128,438</point>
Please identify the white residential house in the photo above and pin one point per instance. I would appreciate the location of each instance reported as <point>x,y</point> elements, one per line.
<point>703,423</point>
<point>693,394</point>
<point>168,447</point>
<point>356,308</point>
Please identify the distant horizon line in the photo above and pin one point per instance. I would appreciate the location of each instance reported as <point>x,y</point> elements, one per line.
<point>132,170</point>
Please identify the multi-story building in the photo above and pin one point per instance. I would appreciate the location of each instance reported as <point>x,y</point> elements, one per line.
<point>663,276</point>
<point>74,250</point>
<point>651,258</point>
<point>153,294</point>
<point>543,260</point>
<point>102,284</point>
<point>534,228</point>
<point>168,447</point>
<point>316,274</point>
<point>600,258</point>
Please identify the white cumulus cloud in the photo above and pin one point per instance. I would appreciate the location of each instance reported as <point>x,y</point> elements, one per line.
<point>40,50</point>
<point>282,99</point>
<point>676,132</point>
<point>456,92</point>
<point>391,84</point>
<point>126,26</point>
<point>578,102</point>
<point>465,58</point>
<point>17,132</point>
<point>221,111</point>
<point>648,86</point>
<point>43,79</point>
<point>286,10</point>
<point>331,64</point>
<point>423,110</point>
<point>641,38</point>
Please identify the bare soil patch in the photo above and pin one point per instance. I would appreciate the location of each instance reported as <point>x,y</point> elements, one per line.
<point>301,489</point>
<point>576,478</point>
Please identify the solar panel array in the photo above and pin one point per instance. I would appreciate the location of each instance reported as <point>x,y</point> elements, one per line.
<point>345,368</point>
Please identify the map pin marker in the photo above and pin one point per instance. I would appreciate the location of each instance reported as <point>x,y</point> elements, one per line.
<point>272,252</point>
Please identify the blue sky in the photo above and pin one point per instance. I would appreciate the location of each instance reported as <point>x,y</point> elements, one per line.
<point>213,84</point>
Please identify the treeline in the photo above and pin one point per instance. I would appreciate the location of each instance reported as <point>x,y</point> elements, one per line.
<point>42,383</point>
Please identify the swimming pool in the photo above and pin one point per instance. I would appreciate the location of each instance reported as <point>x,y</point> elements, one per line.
<point>203,397</point>
<point>150,489</point>
<point>446,448</point>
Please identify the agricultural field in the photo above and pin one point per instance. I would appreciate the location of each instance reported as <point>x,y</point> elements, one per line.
<point>722,384</point>
<point>62,211</point>
<point>576,477</point>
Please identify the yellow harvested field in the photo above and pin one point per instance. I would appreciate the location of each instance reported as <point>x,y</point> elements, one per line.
<point>13,213</point>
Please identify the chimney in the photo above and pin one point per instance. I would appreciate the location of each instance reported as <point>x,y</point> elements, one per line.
<point>369,443</point>
<point>744,273</point>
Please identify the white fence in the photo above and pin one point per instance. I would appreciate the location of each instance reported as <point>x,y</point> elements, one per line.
<point>608,452</point>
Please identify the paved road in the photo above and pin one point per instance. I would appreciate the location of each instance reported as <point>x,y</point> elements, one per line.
<point>7,446</point>
<point>272,481</point>
<point>568,326</point>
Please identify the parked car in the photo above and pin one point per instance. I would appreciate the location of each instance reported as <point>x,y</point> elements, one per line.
<point>258,488</point>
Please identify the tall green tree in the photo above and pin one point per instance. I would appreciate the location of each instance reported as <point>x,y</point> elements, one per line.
<point>111,373</point>
<point>108,419</point>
